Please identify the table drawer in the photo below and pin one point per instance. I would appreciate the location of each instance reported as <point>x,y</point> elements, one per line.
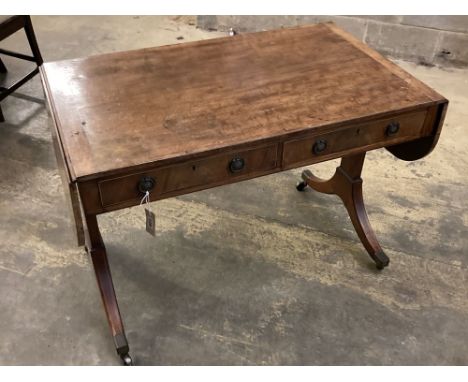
<point>192,175</point>
<point>366,136</point>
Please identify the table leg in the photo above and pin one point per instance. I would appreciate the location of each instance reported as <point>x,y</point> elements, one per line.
<point>96,249</point>
<point>347,184</point>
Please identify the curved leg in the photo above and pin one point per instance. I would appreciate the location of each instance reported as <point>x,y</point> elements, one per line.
<point>96,249</point>
<point>347,184</point>
<point>320,185</point>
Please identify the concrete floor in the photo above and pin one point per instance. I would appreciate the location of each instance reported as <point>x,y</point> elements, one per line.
<point>251,273</point>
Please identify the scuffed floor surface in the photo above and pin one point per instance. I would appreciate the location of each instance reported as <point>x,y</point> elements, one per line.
<point>251,273</point>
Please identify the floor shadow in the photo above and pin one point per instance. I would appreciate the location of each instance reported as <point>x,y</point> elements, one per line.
<point>29,116</point>
<point>27,97</point>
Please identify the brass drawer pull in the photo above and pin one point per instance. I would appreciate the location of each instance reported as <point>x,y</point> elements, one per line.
<point>236,165</point>
<point>392,128</point>
<point>146,183</point>
<point>319,146</point>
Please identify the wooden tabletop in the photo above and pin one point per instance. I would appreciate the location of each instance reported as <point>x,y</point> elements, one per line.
<point>123,110</point>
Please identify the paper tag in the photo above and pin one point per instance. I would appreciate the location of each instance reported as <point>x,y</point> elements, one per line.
<point>150,222</point>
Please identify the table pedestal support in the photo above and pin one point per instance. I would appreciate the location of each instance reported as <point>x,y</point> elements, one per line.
<point>97,251</point>
<point>347,184</point>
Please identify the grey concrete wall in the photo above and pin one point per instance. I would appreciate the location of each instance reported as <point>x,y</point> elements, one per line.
<point>428,40</point>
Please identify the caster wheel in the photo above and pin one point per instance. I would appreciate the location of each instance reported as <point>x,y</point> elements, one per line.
<point>127,360</point>
<point>300,186</point>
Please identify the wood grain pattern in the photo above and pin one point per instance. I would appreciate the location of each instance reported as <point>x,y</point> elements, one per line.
<point>70,187</point>
<point>122,111</point>
<point>193,174</point>
<point>358,138</point>
<point>180,114</point>
<point>423,146</point>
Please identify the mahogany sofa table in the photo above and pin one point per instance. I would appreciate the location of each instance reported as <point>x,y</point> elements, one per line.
<point>176,119</point>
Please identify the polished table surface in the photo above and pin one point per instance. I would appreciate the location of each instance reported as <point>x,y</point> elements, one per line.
<point>176,119</point>
<point>120,110</point>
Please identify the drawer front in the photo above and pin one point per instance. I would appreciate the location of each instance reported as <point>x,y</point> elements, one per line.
<point>365,136</point>
<point>193,175</point>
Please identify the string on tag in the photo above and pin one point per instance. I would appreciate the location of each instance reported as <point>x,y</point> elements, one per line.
<point>150,217</point>
<point>146,200</point>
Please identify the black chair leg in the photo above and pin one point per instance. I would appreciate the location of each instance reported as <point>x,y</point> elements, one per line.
<point>28,28</point>
<point>2,119</point>
<point>3,68</point>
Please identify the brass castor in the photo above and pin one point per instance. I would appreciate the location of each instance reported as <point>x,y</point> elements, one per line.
<point>127,360</point>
